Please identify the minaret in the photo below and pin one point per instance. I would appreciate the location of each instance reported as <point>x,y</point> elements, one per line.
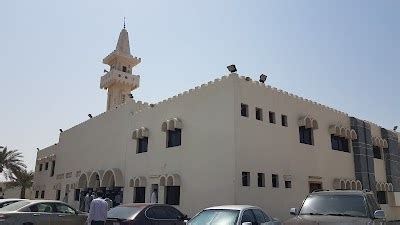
<point>120,81</point>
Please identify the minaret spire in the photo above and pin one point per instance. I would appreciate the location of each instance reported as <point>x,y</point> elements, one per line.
<point>120,80</point>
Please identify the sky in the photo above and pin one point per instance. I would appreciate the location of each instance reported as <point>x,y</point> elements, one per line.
<point>344,54</point>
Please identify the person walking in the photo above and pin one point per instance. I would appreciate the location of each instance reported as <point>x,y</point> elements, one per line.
<point>98,211</point>
<point>87,202</point>
<point>153,196</point>
<point>65,199</point>
<point>109,202</point>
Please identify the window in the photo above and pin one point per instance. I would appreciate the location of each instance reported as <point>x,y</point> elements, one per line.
<point>284,120</point>
<point>37,194</point>
<point>377,152</point>
<point>173,195</point>
<point>261,179</point>
<point>244,110</point>
<point>275,181</point>
<point>259,114</point>
<point>77,194</point>
<point>142,144</point>
<point>261,217</point>
<point>246,179</point>
<point>272,117</point>
<point>139,195</point>
<point>340,143</point>
<point>174,138</point>
<point>288,184</point>
<point>61,208</point>
<point>124,69</point>
<point>306,135</point>
<point>46,166</point>
<point>42,194</point>
<point>248,216</point>
<point>41,207</point>
<point>58,195</point>
<point>381,197</point>
<point>53,165</point>
<point>163,213</point>
<point>40,167</point>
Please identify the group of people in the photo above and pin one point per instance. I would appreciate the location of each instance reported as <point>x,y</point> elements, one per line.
<point>85,200</point>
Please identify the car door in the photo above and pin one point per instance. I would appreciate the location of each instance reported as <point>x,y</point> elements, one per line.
<point>157,215</point>
<point>66,215</point>
<point>174,215</point>
<point>262,218</point>
<point>248,216</point>
<point>40,213</point>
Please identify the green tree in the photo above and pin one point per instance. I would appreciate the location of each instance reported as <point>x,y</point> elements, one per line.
<point>21,179</point>
<point>10,161</point>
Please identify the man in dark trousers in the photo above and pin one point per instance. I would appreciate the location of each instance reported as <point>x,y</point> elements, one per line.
<point>98,211</point>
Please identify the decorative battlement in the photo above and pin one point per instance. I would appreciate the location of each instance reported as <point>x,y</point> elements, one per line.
<point>119,77</point>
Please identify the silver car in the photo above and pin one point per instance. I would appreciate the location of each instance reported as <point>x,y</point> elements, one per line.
<point>43,212</point>
<point>233,215</point>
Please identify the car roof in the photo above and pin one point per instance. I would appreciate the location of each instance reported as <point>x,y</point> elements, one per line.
<point>232,207</point>
<point>141,205</point>
<point>340,192</point>
<point>10,199</point>
<point>43,200</point>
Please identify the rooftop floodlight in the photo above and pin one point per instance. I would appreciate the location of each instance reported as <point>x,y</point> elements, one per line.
<point>130,95</point>
<point>263,78</point>
<point>37,149</point>
<point>60,130</point>
<point>1,147</point>
<point>232,68</point>
<point>395,128</point>
<point>90,115</point>
<point>105,71</point>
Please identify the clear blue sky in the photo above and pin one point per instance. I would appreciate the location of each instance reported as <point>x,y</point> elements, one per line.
<point>345,54</point>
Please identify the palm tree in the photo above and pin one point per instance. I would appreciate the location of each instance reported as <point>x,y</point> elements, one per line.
<point>10,161</point>
<point>22,179</point>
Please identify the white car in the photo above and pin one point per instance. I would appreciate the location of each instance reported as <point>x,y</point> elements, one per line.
<point>8,201</point>
<point>233,215</point>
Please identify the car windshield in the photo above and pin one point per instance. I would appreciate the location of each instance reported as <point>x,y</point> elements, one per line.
<point>123,213</point>
<point>14,206</point>
<point>335,205</point>
<point>215,217</point>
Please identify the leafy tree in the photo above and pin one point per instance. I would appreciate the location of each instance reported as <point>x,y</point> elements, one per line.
<point>21,179</point>
<point>10,161</point>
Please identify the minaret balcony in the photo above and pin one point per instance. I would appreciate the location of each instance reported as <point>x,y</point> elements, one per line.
<point>118,77</point>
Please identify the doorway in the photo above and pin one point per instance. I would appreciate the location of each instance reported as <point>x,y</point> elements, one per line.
<point>315,186</point>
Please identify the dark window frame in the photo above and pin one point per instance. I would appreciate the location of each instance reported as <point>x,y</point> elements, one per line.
<point>381,196</point>
<point>142,145</point>
<point>377,151</point>
<point>175,191</point>
<point>284,120</point>
<point>272,117</point>
<point>275,180</point>
<point>58,194</point>
<point>261,179</point>
<point>259,114</point>
<point>77,194</point>
<point>288,184</point>
<point>46,167</point>
<point>174,138</point>
<point>244,110</point>
<point>37,194</point>
<point>306,135</point>
<point>42,195</point>
<point>340,143</point>
<point>53,166</point>
<point>139,195</point>
<point>40,166</point>
<point>245,179</point>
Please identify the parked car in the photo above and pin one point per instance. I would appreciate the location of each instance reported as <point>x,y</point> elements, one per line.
<point>43,212</point>
<point>8,201</point>
<point>145,214</point>
<point>233,215</point>
<point>338,207</point>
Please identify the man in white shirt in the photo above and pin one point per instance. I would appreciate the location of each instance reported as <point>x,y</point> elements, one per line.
<point>98,211</point>
<point>154,196</point>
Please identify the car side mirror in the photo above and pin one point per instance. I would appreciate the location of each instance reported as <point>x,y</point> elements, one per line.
<point>293,211</point>
<point>247,223</point>
<point>379,214</point>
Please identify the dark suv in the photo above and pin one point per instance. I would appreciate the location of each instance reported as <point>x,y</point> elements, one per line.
<point>338,207</point>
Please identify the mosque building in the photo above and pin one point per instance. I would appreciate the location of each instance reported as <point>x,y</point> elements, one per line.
<point>229,141</point>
